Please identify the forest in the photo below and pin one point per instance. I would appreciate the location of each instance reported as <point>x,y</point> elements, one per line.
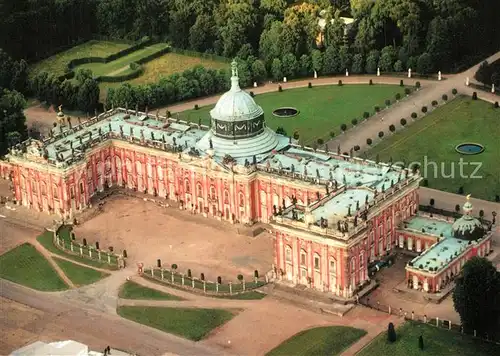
<point>272,38</point>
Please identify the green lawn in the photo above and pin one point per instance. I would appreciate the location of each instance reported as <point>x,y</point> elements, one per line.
<point>131,290</point>
<point>323,109</point>
<point>193,324</point>
<point>25,265</point>
<point>80,275</point>
<point>47,241</point>
<point>436,342</point>
<point>121,66</point>
<point>57,63</point>
<point>436,136</point>
<point>322,341</point>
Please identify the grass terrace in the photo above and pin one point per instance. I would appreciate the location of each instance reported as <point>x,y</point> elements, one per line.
<point>463,120</point>
<point>121,66</point>
<point>192,324</point>
<point>437,341</point>
<point>57,63</point>
<point>132,290</point>
<point>26,266</point>
<point>328,340</point>
<point>79,275</point>
<point>323,109</point>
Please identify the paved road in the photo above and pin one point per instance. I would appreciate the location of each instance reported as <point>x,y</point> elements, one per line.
<point>98,329</point>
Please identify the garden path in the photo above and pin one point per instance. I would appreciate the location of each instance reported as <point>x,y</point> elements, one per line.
<point>55,266</point>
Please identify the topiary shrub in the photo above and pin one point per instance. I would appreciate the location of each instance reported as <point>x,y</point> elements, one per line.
<point>391,333</point>
<point>371,82</point>
<point>357,148</point>
<point>309,85</point>
<point>252,94</point>
<point>495,105</point>
<point>124,254</point>
<point>256,274</point>
<point>417,85</point>
<point>392,128</point>
<point>189,274</point>
<point>414,115</point>
<point>174,266</point>
<point>369,141</point>
<point>407,91</point>
<point>376,108</point>
<point>444,97</point>
<point>202,276</point>
<point>158,263</point>
<point>240,277</point>
<point>366,115</point>
<point>354,122</point>
<point>219,280</point>
<point>424,109</point>
<point>280,89</point>
<point>387,102</point>
<point>425,183</point>
<point>343,127</point>
<point>84,242</point>
<point>434,103</point>
<point>196,107</point>
<point>340,83</point>
<point>397,96</point>
<point>474,96</point>
<point>454,91</point>
<point>403,122</point>
<point>381,134</point>
<point>320,141</point>
<point>461,190</point>
<point>401,83</point>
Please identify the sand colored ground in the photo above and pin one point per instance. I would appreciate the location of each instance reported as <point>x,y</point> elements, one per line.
<point>149,232</point>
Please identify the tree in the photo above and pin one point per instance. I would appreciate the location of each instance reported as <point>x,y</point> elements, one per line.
<point>358,65</point>
<point>276,69</point>
<point>12,120</point>
<point>372,62</point>
<point>476,296</point>
<point>269,43</point>
<point>259,72</point>
<point>331,61</point>
<point>391,333</point>
<point>305,65</point>
<point>345,58</point>
<point>425,65</point>
<point>398,66</point>
<point>392,128</point>
<point>317,61</point>
<point>289,65</point>
<point>276,7</point>
<point>387,59</point>
<point>88,95</point>
<point>202,33</point>
<point>484,72</point>
<point>403,122</point>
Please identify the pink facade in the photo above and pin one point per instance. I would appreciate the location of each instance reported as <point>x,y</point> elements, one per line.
<point>434,282</point>
<point>340,267</point>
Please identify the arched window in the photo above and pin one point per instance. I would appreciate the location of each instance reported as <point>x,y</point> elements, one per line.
<point>353,264</point>
<point>55,191</point>
<point>212,192</point>
<point>303,258</point>
<point>187,187</point>
<point>226,197</point>
<point>23,182</point>
<point>199,190</point>
<point>242,199</point>
<point>44,188</point>
<point>263,197</point>
<point>288,254</point>
<point>361,260</point>
<point>160,173</point>
<point>388,225</point>
<point>317,261</point>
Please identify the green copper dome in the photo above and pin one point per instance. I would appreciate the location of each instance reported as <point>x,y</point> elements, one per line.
<point>468,227</point>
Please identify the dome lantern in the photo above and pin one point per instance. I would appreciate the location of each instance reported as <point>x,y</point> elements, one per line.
<point>468,227</point>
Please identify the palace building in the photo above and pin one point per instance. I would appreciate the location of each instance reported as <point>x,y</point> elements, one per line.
<point>331,214</point>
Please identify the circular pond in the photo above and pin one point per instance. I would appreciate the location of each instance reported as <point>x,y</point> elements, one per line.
<point>285,112</point>
<point>469,148</point>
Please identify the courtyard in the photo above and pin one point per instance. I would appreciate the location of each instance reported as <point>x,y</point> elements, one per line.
<point>322,109</point>
<point>392,292</point>
<point>149,232</point>
<point>464,121</point>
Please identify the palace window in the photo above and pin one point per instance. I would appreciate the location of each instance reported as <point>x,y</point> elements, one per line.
<point>288,254</point>
<point>72,192</point>
<point>188,187</point>
<point>371,238</point>
<point>199,190</point>
<point>381,230</point>
<point>81,188</point>
<point>303,258</point>
<point>388,225</point>
<point>226,197</point>
<point>242,200</point>
<point>333,267</point>
<point>361,260</point>
<point>316,262</point>
<point>44,189</point>
<point>23,182</point>
<point>353,264</point>
<point>55,192</point>
<point>34,188</point>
